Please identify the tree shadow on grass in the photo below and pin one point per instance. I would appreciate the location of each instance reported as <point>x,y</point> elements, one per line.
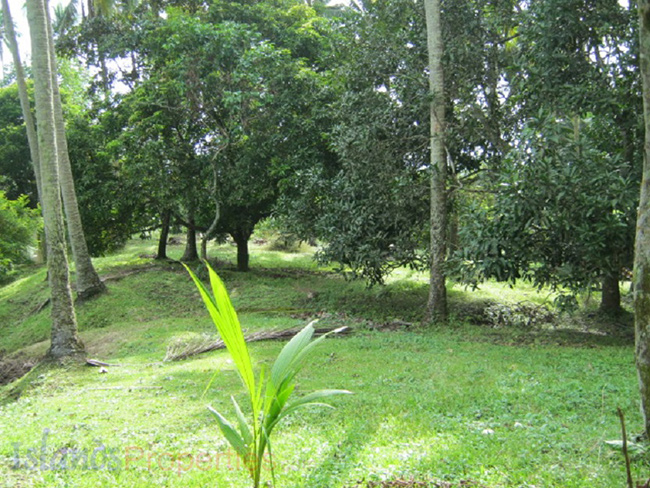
<point>553,337</point>
<point>343,456</point>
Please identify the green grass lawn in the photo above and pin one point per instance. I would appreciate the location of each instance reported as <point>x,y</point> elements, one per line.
<point>498,407</point>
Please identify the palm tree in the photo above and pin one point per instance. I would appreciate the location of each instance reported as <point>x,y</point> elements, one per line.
<point>64,339</point>
<point>12,43</point>
<point>65,17</point>
<point>642,247</point>
<point>437,305</point>
<point>88,281</point>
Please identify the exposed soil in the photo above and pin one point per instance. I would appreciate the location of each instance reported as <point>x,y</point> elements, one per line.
<point>13,368</point>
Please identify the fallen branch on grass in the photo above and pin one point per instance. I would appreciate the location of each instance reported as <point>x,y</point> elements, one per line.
<point>178,351</point>
<point>101,364</point>
<point>97,363</point>
<point>162,266</point>
<point>185,349</point>
<point>44,304</point>
<point>129,388</point>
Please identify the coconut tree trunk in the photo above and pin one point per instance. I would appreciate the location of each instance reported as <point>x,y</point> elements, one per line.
<point>10,36</point>
<point>88,282</point>
<point>641,278</point>
<point>437,303</point>
<point>64,339</point>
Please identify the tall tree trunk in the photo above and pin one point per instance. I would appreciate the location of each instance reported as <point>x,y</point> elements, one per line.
<point>642,246</point>
<point>32,139</point>
<point>190,253</point>
<point>241,237</point>
<point>88,281</point>
<point>610,301</point>
<point>164,235</point>
<point>437,303</point>
<point>64,339</point>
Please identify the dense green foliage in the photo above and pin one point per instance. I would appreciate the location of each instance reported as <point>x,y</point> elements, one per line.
<point>229,112</point>
<point>16,172</point>
<point>112,210</point>
<point>19,226</point>
<point>563,214</point>
<point>367,202</point>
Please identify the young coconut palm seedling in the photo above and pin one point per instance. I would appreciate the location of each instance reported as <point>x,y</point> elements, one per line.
<point>268,394</point>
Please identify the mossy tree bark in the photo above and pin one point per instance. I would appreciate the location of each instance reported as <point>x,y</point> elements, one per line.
<point>64,339</point>
<point>641,278</point>
<point>437,302</point>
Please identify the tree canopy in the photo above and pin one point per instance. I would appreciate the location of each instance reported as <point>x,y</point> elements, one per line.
<point>213,116</point>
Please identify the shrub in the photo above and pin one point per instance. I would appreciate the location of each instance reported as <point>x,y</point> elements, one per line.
<point>19,226</point>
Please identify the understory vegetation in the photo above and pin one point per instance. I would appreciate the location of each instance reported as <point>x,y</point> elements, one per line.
<point>511,393</point>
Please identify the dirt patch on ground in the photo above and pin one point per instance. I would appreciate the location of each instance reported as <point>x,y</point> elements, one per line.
<point>13,368</point>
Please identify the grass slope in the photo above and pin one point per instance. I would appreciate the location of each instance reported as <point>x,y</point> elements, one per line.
<point>502,408</point>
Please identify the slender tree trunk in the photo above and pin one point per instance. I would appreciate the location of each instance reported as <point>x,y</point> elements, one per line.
<point>208,233</point>
<point>241,238</point>
<point>610,301</point>
<point>204,246</point>
<point>217,215</point>
<point>453,238</point>
<point>64,339</point>
<point>88,281</point>
<point>190,253</point>
<point>642,246</point>
<point>164,235</point>
<point>32,139</point>
<point>437,303</point>
<point>104,74</point>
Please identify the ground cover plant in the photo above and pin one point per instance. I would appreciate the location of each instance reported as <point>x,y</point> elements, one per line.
<point>496,406</point>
